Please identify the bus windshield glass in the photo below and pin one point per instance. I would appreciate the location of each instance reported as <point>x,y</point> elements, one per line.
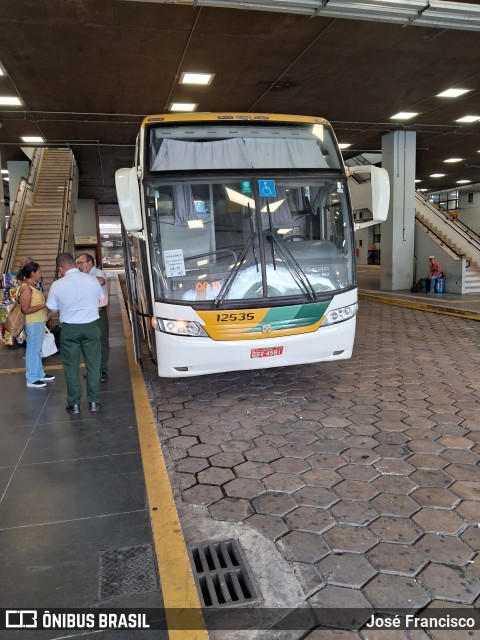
<point>243,238</point>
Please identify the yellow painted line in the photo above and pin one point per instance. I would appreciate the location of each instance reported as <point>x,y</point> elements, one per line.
<point>52,367</point>
<point>179,592</point>
<point>469,315</point>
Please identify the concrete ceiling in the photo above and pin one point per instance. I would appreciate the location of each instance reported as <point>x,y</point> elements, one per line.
<point>87,71</point>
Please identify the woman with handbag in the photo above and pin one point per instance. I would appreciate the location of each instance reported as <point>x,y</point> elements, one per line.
<point>33,305</point>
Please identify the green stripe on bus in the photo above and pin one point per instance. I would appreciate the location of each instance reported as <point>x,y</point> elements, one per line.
<point>292,317</point>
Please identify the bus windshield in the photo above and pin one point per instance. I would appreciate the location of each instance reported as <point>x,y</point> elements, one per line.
<point>248,239</point>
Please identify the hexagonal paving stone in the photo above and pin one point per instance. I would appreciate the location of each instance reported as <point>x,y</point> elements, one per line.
<point>435,497</point>
<point>444,549</point>
<point>425,446</point>
<point>394,466</point>
<point>202,494</point>
<point>347,538</point>
<point>394,484</point>
<point>275,504</point>
<point>346,570</point>
<point>236,446</point>
<point>283,482</point>
<point>231,509</point>
<point>309,519</point>
<point>303,547</point>
<point>450,583</point>
<point>388,593</point>
<point>253,469</point>
<point>315,497</point>
<point>321,478</point>
<point>351,512</point>
<point>468,510</point>
<point>390,529</point>
<point>263,454</point>
<point>215,475</point>
<point>301,435</point>
<point>471,536</point>
<point>325,461</point>
<point>296,450</point>
<point>392,504</point>
<point>290,465</point>
<point>427,461</point>
<point>203,450</point>
<point>355,490</point>
<point>271,527</point>
<point>360,456</point>
<point>270,440</point>
<point>438,521</point>
<point>340,607</point>
<point>431,478</point>
<point>396,558</point>
<point>244,488</point>
<point>182,442</point>
<point>225,459</point>
<point>191,465</point>
<point>361,472</point>
<point>455,442</point>
<point>466,490</point>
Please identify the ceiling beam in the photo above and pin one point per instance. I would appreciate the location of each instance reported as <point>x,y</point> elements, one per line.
<point>438,14</point>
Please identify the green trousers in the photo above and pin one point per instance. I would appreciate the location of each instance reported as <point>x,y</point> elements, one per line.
<point>77,339</point>
<point>104,331</point>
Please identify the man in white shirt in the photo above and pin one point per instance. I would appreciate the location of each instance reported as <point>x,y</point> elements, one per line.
<point>86,263</point>
<point>77,296</point>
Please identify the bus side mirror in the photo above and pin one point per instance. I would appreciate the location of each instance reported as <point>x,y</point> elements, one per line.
<point>128,195</point>
<point>380,185</point>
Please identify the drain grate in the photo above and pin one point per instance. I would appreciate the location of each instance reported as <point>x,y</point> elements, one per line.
<point>125,572</point>
<point>222,574</point>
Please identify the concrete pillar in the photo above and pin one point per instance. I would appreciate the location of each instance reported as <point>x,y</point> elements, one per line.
<point>398,231</point>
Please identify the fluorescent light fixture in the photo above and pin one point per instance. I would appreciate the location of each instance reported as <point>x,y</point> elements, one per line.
<point>183,106</point>
<point>2,72</point>
<point>196,78</point>
<point>33,139</point>
<point>418,180</point>
<point>468,119</point>
<point>437,175</point>
<point>11,101</point>
<point>6,179</point>
<point>4,170</point>
<point>345,145</point>
<point>404,115</point>
<point>453,160</point>
<point>463,181</point>
<point>422,189</point>
<point>452,93</point>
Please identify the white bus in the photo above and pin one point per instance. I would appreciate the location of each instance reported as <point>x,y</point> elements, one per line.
<point>239,241</point>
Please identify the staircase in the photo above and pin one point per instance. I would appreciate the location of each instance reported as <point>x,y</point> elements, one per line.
<point>452,236</point>
<point>46,230</point>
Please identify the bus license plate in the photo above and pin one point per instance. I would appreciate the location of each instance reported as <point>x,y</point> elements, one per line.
<point>265,353</point>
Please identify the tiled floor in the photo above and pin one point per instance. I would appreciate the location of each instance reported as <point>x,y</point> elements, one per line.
<point>70,486</point>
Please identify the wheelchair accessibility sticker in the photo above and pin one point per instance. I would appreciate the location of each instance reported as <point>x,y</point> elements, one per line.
<point>266,189</point>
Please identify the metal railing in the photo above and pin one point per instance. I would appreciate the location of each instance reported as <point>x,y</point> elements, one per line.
<point>12,234</point>
<point>66,232</point>
<point>472,240</point>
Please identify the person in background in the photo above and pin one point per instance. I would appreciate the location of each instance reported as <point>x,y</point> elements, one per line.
<point>435,272</point>
<point>86,263</point>
<point>26,260</point>
<point>77,296</point>
<point>33,306</point>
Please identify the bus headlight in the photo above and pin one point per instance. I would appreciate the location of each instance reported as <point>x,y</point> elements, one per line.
<point>178,327</point>
<point>340,315</point>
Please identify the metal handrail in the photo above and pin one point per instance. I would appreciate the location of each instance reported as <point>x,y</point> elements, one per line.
<point>10,242</point>
<point>442,243</point>
<point>66,203</point>
<point>453,225</point>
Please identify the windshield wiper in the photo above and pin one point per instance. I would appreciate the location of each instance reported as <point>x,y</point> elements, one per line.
<point>293,267</point>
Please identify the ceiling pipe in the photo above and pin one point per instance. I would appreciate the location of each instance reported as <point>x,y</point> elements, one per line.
<point>438,14</point>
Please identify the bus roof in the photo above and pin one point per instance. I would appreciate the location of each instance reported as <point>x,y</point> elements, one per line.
<point>231,116</point>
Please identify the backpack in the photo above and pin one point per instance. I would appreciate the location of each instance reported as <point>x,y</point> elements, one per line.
<point>15,321</point>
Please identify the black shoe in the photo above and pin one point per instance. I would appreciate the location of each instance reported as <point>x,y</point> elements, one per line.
<point>74,409</point>
<point>94,406</point>
<point>103,376</point>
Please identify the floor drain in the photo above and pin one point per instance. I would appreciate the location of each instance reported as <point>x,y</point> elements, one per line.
<point>222,574</point>
<point>125,572</point>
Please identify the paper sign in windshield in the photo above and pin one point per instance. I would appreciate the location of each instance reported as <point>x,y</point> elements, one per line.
<point>174,263</point>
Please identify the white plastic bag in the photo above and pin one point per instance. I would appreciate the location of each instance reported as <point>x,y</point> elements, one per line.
<point>48,344</point>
